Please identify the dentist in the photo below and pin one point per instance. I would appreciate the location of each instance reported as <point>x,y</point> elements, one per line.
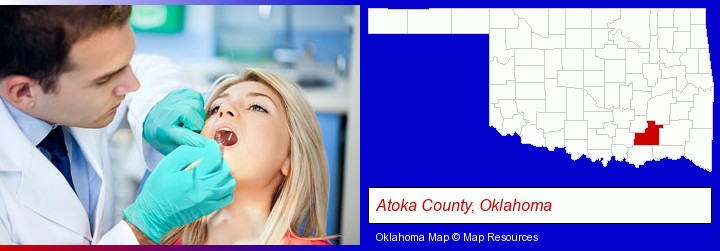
<point>68,80</point>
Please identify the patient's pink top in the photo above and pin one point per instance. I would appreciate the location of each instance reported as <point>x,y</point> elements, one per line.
<point>289,239</point>
<point>292,239</point>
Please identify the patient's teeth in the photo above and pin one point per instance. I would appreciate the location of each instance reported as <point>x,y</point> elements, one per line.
<point>218,137</point>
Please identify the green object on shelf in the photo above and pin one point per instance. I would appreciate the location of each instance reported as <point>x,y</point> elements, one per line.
<point>158,18</point>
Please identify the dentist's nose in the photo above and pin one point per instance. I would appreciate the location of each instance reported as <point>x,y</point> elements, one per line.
<point>128,83</point>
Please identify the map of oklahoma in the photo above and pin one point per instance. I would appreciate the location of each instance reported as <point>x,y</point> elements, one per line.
<point>633,84</point>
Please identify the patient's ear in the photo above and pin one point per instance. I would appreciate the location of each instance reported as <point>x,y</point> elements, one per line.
<point>285,169</point>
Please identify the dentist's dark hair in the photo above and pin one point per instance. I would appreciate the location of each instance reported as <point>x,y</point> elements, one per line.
<point>35,41</point>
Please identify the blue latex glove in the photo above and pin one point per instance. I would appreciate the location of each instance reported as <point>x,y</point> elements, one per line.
<point>173,197</point>
<point>174,121</point>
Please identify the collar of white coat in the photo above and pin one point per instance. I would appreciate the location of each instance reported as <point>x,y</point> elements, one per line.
<point>33,128</point>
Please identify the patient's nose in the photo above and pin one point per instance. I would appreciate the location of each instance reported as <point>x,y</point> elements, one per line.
<point>226,110</point>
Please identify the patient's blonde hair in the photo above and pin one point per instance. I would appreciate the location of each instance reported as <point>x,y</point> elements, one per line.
<point>301,198</point>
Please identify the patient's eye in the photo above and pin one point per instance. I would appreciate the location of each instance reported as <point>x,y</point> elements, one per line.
<point>214,109</point>
<point>257,108</point>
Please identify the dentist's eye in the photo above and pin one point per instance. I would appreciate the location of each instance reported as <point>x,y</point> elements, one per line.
<point>103,81</point>
<point>257,108</point>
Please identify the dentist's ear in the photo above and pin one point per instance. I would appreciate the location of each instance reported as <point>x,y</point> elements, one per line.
<point>19,90</point>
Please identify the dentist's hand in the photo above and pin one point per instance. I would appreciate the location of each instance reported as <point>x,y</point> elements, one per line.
<point>173,197</point>
<point>174,121</point>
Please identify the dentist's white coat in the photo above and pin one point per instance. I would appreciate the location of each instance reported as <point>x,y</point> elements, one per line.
<point>36,204</point>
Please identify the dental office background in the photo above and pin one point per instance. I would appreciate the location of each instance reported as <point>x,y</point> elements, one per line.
<point>314,46</point>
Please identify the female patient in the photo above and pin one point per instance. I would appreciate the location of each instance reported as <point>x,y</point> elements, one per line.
<point>271,141</point>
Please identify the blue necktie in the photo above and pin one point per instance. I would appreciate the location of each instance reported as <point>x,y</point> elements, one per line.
<point>54,144</point>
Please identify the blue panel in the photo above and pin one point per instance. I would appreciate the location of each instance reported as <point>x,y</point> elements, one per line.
<point>330,126</point>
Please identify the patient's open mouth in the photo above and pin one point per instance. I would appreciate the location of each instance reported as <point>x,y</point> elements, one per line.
<point>225,137</point>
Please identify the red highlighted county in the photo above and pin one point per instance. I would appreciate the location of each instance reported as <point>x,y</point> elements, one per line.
<point>650,137</point>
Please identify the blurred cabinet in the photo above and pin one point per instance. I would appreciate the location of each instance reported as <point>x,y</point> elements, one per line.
<point>158,18</point>
<point>248,33</point>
